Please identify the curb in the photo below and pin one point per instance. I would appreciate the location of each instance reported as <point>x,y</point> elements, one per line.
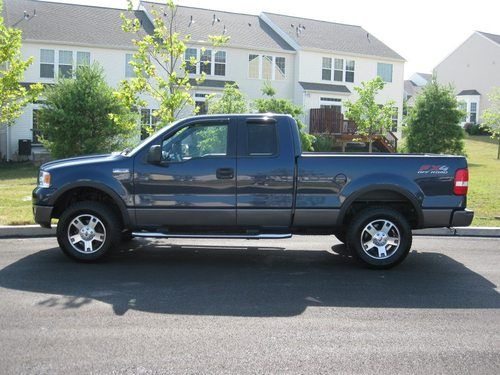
<point>33,231</point>
<point>25,231</point>
<point>459,232</point>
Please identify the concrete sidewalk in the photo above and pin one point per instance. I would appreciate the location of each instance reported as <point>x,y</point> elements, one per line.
<point>30,231</point>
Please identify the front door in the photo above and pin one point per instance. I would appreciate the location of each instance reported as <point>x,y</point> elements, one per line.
<point>195,183</point>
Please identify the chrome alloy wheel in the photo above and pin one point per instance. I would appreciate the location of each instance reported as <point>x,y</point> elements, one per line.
<point>86,234</point>
<point>380,239</point>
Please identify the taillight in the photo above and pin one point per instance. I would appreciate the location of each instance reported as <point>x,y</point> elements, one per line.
<point>461,182</point>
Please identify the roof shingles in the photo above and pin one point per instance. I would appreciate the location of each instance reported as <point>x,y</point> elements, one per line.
<point>69,23</point>
<point>244,30</point>
<point>323,35</point>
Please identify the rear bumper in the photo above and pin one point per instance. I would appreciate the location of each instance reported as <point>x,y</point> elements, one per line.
<point>462,218</point>
<point>42,215</point>
<point>439,218</point>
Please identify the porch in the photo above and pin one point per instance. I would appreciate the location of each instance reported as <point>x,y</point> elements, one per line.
<point>331,122</point>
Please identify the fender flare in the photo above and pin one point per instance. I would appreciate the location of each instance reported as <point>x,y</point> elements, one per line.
<point>98,186</point>
<point>388,187</point>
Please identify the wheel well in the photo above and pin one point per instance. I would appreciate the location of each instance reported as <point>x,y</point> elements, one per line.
<point>385,199</point>
<point>84,193</point>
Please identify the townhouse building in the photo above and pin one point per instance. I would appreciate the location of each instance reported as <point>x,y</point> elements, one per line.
<point>315,64</point>
<point>473,69</point>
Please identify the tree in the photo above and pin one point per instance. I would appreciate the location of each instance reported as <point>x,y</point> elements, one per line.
<point>491,117</point>
<point>370,117</point>
<point>434,122</point>
<point>13,95</point>
<point>232,101</point>
<point>284,106</point>
<point>160,68</point>
<point>83,116</point>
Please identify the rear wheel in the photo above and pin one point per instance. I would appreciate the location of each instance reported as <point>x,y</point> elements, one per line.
<point>86,231</point>
<point>379,237</point>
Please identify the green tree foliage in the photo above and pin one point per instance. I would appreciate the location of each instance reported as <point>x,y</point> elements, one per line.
<point>13,96</point>
<point>491,117</point>
<point>284,106</point>
<point>434,122</point>
<point>231,101</point>
<point>83,116</point>
<point>159,65</point>
<point>370,117</point>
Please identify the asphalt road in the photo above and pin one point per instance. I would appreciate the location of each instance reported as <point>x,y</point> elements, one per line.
<point>288,306</point>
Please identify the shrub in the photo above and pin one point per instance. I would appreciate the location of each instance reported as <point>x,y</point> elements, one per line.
<point>82,116</point>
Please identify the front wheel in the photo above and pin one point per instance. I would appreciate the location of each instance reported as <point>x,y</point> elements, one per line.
<point>86,231</point>
<point>380,237</point>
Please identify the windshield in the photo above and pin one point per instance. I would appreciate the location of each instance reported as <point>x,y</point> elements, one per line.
<point>144,142</point>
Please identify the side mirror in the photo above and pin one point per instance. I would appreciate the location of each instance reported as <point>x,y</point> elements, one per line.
<point>154,154</point>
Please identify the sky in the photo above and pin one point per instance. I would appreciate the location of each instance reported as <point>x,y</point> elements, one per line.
<point>424,32</point>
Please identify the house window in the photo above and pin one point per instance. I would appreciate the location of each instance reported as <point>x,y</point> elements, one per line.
<point>129,69</point>
<point>35,129</point>
<point>266,67</point>
<point>190,57</point>
<point>473,113</point>
<point>333,103</point>
<point>394,119</point>
<point>349,70</point>
<point>338,73</point>
<point>463,107</point>
<point>148,122</point>
<point>82,59</point>
<point>47,63</point>
<point>65,64</point>
<point>253,66</point>
<point>201,103</point>
<point>384,71</point>
<point>220,63</point>
<point>280,69</point>
<point>206,61</point>
<point>326,72</point>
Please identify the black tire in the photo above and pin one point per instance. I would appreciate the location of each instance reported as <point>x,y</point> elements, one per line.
<point>107,223</point>
<point>376,220</point>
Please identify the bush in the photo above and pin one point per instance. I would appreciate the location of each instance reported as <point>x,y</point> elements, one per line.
<point>475,129</point>
<point>434,122</point>
<point>324,143</point>
<point>82,116</point>
<point>284,106</point>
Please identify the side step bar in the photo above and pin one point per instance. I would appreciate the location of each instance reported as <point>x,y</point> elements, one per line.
<point>227,236</point>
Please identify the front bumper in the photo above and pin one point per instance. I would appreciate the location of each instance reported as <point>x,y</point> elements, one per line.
<point>462,218</point>
<point>42,215</point>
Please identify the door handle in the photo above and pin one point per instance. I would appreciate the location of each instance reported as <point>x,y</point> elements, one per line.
<point>224,173</point>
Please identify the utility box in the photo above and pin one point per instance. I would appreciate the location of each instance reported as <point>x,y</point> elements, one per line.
<point>24,147</point>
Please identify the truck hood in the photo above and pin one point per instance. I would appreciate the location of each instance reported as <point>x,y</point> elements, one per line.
<point>80,160</point>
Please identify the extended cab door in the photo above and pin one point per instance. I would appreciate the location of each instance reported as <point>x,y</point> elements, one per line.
<point>195,182</point>
<point>266,166</point>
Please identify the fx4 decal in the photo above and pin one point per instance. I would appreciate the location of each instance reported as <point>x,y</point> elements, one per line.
<point>433,169</point>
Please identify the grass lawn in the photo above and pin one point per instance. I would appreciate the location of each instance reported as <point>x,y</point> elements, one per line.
<point>484,184</point>
<point>17,180</point>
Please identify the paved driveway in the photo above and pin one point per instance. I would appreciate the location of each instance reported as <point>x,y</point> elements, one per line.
<point>212,306</point>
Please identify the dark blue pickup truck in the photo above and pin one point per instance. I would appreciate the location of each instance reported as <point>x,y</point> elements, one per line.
<point>245,176</point>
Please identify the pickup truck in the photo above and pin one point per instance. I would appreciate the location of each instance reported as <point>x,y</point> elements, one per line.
<point>245,176</point>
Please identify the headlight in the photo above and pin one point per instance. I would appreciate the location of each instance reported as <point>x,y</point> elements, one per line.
<point>44,179</point>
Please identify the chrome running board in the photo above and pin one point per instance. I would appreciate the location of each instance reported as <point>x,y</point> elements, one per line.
<point>227,236</point>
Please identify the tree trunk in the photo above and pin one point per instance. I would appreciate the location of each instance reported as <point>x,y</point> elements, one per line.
<point>498,154</point>
<point>370,146</point>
